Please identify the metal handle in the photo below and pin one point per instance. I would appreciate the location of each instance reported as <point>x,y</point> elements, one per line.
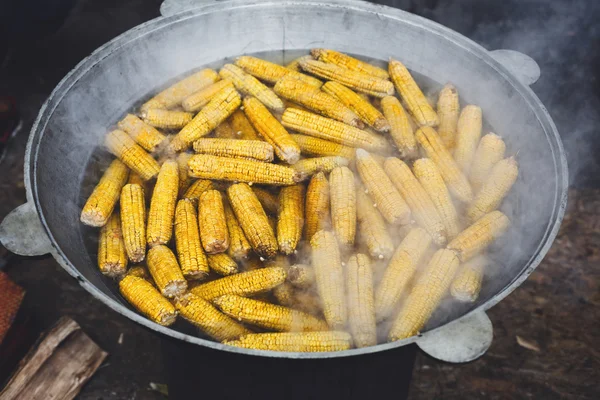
<point>460,341</point>
<point>521,65</point>
<point>171,7</point>
<point>21,232</point>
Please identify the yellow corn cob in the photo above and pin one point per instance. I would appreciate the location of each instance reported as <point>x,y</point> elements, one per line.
<point>329,275</point>
<point>448,108</point>
<point>197,100</point>
<point>451,173</point>
<point>268,200</point>
<point>212,222</point>
<point>218,109</point>
<point>242,126</point>
<point>426,295</point>
<point>197,188</point>
<point>247,149</point>
<point>250,86</point>
<point>361,107</point>
<point>317,205</point>
<point>480,235</point>
<point>270,72</point>
<point>361,308</point>
<point>174,94</point>
<point>351,63</point>
<point>401,130</point>
<point>343,205</point>
<point>490,150</point>
<point>310,166</point>
<point>315,147</point>
<point>210,320</point>
<point>271,130</point>
<point>112,259</point>
<point>140,272</point>
<point>224,131</point>
<point>239,170</point>
<point>329,129</point>
<point>295,341</point>
<point>468,133</point>
<point>99,206</point>
<point>133,224</point>
<point>243,284</point>
<point>182,165</point>
<point>222,264</point>
<point>385,196</point>
<point>431,179</point>
<point>356,80</point>
<point>316,100</point>
<point>146,299</point>
<point>467,283</point>
<point>166,119</point>
<point>301,276</point>
<point>494,190</point>
<point>268,316</point>
<point>291,218</point>
<point>372,228</point>
<point>239,247</point>
<point>145,135</point>
<point>422,207</point>
<point>165,271</point>
<point>252,219</point>
<point>192,259</point>
<point>295,64</point>
<point>400,270</point>
<point>413,97</point>
<point>162,206</point>
<point>122,145</point>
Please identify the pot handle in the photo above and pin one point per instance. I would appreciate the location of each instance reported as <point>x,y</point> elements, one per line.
<point>520,65</point>
<point>460,341</point>
<point>171,7</point>
<point>22,233</point>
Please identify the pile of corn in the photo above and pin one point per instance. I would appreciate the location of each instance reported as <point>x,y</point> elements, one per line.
<point>253,169</point>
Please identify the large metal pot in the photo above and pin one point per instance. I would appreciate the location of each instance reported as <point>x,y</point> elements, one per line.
<point>102,87</point>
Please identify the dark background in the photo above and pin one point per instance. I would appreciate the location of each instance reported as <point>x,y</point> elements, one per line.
<point>556,309</point>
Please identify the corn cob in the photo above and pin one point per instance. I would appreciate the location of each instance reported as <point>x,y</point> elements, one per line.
<point>122,145</point>
<point>192,259</point>
<point>316,100</point>
<point>197,188</point>
<point>242,126</point>
<point>223,264</point>
<point>295,341</point>
<point>252,219</point>
<point>218,109</point>
<point>490,150</point>
<point>139,272</point>
<point>301,276</point>
<point>166,119</point>
<point>430,178</point>
<point>239,247</point>
<point>451,173</point>
<point>145,135</point>
<point>250,86</point>
<point>210,320</point>
<point>165,271</point>
<point>448,108</point>
<point>426,295</point>
<point>243,284</point>
<point>99,206</point>
<point>212,222</point>
<point>468,133</point>
<point>494,190</point>
<point>351,63</point>
<point>295,64</point>
<point>315,147</point>
<point>343,205</point>
<point>310,166</point>
<point>133,224</point>
<point>112,259</point>
<point>329,129</point>
<point>372,228</point>
<point>317,205</point>
<point>413,97</point>
<point>247,149</point>
<point>146,299</point>
<point>361,107</point>
<point>361,308</point>
<point>162,205</point>
<point>329,275</point>
<point>291,218</point>
<point>239,170</point>
<point>224,131</point>
<point>271,130</point>
<point>271,72</point>
<point>356,80</point>
<point>268,200</point>
<point>386,197</point>
<point>478,236</point>
<point>184,171</point>
<point>401,129</point>
<point>467,283</point>
<point>197,100</point>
